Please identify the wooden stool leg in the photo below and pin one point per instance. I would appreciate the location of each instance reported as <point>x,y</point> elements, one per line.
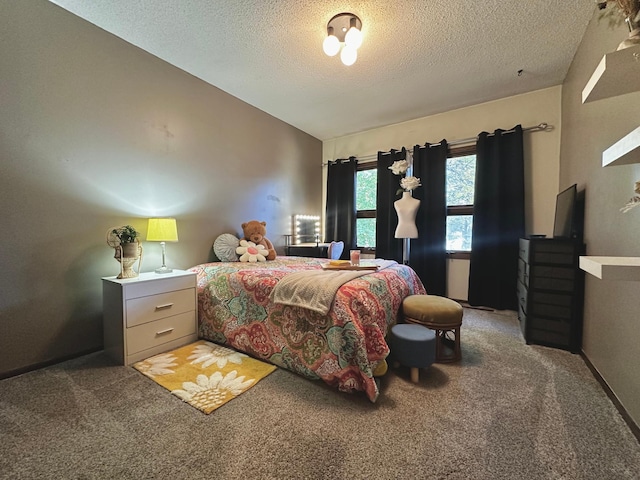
<point>458,350</point>
<point>415,374</point>
<point>439,334</point>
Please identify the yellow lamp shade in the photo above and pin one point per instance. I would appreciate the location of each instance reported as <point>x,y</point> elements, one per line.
<point>162,230</point>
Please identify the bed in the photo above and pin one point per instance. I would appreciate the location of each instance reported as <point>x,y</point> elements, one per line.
<point>342,347</point>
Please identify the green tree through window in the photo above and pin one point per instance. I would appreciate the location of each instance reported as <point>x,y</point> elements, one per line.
<point>366,182</point>
<point>460,188</point>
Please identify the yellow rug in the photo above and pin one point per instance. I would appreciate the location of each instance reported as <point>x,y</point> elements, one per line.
<point>204,374</point>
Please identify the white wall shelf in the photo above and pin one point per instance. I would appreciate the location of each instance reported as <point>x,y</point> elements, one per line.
<point>612,268</point>
<point>625,151</point>
<point>616,74</point>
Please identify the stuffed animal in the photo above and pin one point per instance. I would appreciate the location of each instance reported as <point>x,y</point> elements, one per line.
<point>255,231</point>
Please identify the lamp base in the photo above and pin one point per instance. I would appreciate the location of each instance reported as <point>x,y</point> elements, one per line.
<point>164,269</point>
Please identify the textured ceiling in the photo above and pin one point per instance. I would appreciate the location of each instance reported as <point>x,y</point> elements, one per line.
<point>418,58</point>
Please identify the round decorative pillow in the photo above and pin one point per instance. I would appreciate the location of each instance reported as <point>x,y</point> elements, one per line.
<point>250,252</point>
<point>225,247</point>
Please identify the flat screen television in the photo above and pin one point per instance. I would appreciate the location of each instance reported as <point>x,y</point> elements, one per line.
<point>566,223</point>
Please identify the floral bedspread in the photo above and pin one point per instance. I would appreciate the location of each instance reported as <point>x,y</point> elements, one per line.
<point>342,348</point>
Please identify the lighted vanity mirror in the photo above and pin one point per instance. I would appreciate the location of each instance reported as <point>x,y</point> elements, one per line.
<point>306,229</point>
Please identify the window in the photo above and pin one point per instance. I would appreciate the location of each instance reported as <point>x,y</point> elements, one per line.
<point>459,188</point>
<point>366,184</point>
<point>459,191</point>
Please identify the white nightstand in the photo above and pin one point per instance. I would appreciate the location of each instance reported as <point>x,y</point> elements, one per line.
<point>149,314</point>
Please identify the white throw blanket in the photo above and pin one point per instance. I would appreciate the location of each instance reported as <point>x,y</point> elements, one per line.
<point>316,289</point>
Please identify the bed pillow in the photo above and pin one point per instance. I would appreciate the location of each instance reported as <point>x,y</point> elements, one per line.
<point>225,247</point>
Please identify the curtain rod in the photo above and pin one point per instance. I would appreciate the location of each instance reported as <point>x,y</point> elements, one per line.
<point>543,127</point>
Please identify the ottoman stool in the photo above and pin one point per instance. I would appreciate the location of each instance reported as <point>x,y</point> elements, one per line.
<point>440,314</point>
<point>413,346</point>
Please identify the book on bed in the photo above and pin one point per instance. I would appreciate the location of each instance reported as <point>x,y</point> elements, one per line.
<point>362,266</point>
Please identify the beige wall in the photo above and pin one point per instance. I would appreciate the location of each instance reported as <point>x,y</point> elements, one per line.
<point>542,152</point>
<point>611,328</point>
<point>95,133</point>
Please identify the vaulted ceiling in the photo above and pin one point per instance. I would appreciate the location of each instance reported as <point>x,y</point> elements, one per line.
<point>418,58</point>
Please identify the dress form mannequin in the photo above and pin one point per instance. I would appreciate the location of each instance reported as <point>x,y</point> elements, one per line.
<point>406,208</point>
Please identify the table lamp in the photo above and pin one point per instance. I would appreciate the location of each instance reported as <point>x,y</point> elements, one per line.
<point>162,230</point>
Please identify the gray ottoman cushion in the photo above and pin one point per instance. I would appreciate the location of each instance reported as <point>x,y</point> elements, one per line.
<point>413,345</point>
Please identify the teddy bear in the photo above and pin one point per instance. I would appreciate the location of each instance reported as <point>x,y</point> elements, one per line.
<point>255,231</point>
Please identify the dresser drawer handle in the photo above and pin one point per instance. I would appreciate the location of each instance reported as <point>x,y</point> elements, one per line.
<point>162,307</point>
<point>165,331</point>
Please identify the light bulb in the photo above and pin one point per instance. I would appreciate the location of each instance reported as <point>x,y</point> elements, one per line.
<point>331,45</point>
<point>353,38</point>
<point>348,55</point>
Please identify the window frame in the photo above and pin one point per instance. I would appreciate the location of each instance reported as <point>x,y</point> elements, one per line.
<point>453,210</point>
<point>459,151</point>
<point>366,213</point>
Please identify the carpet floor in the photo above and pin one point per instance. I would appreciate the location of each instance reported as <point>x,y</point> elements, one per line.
<point>507,411</point>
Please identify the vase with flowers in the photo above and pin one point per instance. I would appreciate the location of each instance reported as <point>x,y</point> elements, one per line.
<point>630,10</point>
<point>124,240</point>
<point>634,201</point>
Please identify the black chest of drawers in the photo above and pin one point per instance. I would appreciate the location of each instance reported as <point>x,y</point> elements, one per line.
<point>551,292</point>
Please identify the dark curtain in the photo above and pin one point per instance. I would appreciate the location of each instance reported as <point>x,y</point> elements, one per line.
<point>341,204</point>
<point>387,246</point>
<point>428,254</point>
<point>498,219</point>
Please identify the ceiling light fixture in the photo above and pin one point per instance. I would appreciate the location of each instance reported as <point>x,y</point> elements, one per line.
<point>343,30</point>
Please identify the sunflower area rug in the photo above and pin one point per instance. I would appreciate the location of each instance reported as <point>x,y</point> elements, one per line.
<point>203,374</point>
